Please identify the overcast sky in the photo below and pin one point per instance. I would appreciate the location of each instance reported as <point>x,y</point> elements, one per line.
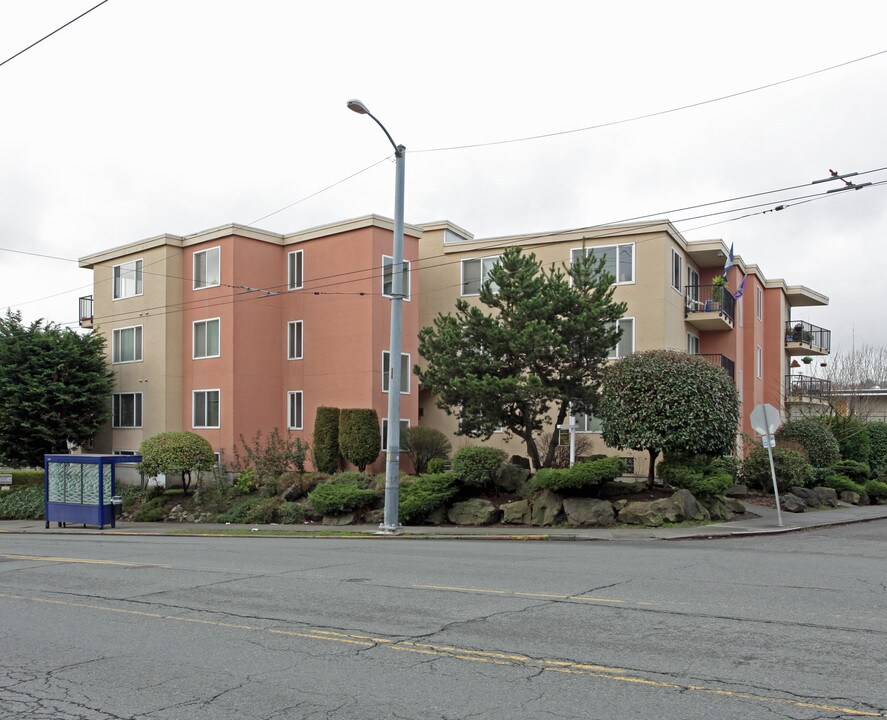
<point>146,117</point>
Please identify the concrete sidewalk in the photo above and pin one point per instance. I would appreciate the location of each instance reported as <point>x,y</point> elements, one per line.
<point>765,524</point>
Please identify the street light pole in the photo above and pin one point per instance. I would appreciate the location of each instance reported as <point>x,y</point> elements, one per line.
<point>390,524</point>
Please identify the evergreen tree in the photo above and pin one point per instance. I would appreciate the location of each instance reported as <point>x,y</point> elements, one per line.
<point>54,388</point>
<point>540,343</point>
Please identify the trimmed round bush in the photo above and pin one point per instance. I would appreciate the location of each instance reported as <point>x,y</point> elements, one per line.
<point>876,489</point>
<point>477,466</point>
<point>840,483</point>
<point>424,495</point>
<point>792,469</point>
<point>853,437</point>
<point>582,477</point>
<point>815,437</point>
<point>858,472</point>
<point>325,445</point>
<point>360,439</point>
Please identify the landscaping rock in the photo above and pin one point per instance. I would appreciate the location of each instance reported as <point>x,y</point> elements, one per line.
<point>584,512</point>
<point>619,504</point>
<point>374,517</point>
<point>848,496</point>
<point>716,506</point>
<point>545,507</point>
<point>792,503</point>
<point>677,508</point>
<point>343,519</point>
<point>734,506</point>
<point>737,490</point>
<point>827,496</point>
<point>516,513</point>
<point>688,507</point>
<point>520,461</point>
<point>476,511</point>
<point>864,499</point>
<point>438,516</point>
<point>811,497</point>
<point>513,479</point>
<point>293,493</point>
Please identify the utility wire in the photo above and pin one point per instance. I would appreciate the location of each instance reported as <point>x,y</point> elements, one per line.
<point>658,113</point>
<point>20,52</point>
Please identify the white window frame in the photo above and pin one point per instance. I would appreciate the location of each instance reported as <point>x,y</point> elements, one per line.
<point>386,372</point>
<point>123,452</point>
<point>677,270</point>
<point>118,289</point>
<point>404,424</point>
<point>138,344</point>
<point>295,270</point>
<point>759,362</point>
<point>692,344</point>
<point>295,340</point>
<point>582,427</point>
<point>295,410</point>
<point>692,288</point>
<point>485,264</point>
<point>197,284</point>
<point>614,352</point>
<point>137,409</point>
<point>388,262</point>
<point>759,302</point>
<point>205,392</point>
<point>574,253</point>
<point>206,322</point>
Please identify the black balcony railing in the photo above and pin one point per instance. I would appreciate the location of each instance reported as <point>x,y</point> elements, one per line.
<point>812,336</point>
<point>86,310</point>
<point>801,386</point>
<point>721,361</point>
<point>708,298</point>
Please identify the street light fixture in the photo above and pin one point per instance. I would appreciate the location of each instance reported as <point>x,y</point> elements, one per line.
<point>392,465</point>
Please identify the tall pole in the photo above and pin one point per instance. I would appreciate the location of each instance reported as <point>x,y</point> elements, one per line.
<point>390,524</point>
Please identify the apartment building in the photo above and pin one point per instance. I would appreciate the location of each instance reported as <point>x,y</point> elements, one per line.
<point>235,329</point>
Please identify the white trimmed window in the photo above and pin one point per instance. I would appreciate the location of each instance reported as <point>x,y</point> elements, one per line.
<point>619,260</point>
<point>388,277</point>
<point>294,340</point>
<point>294,410</point>
<point>295,270</point>
<point>123,452</point>
<point>128,279</point>
<point>404,372</point>
<point>206,339</point>
<point>759,302</point>
<point>404,424</point>
<point>692,344</point>
<point>676,269</point>
<point>759,362</point>
<point>625,346</point>
<point>205,409</point>
<point>127,410</point>
<point>126,344</point>
<point>207,268</point>
<point>587,423</point>
<point>475,272</point>
<point>692,289</point>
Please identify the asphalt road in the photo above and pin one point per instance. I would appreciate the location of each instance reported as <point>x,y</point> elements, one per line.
<point>96,627</point>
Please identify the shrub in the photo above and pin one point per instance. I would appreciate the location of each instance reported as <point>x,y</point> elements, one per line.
<point>272,457</point>
<point>173,453</point>
<point>436,466</point>
<point>214,493</point>
<point>877,442</point>
<point>424,495</point>
<point>423,444</point>
<point>152,510</point>
<point>334,498</point>
<point>245,482</point>
<point>728,465</point>
<point>841,483</point>
<point>291,513</point>
<point>240,511</point>
<point>853,438</point>
<point>265,511</point>
<point>22,503</point>
<point>815,436</point>
<point>858,472</point>
<point>477,466</point>
<point>582,477</point>
<point>326,440</point>
<point>701,484</point>
<point>25,477</point>
<point>360,439</point>
<point>876,489</point>
<point>792,469</point>
<point>350,477</point>
<point>698,473</point>
<point>295,486</point>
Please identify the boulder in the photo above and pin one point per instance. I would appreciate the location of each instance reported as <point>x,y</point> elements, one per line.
<point>677,508</point>
<point>737,490</point>
<point>734,506</point>
<point>792,503</point>
<point>619,504</point>
<point>588,511</point>
<point>827,496</point>
<point>516,513</point>
<point>688,507</point>
<point>476,511</point>
<point>437,516</point>
<point>545,507</point>
<point>864,499</point>
<point>716,506</point>
<point>520,461</point>
<point>293,492</point>
<point>848,496</point>
<point>374,517</point>
<point>343,519</point>
<point>809,496</point>
<point>513,479</point>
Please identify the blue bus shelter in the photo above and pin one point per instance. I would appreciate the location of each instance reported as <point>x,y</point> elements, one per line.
<point>80,488</point>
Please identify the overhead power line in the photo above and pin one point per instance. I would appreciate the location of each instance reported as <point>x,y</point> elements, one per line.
<point>20,52</point>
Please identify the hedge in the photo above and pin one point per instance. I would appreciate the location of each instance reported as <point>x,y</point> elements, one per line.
<point>583,476</point>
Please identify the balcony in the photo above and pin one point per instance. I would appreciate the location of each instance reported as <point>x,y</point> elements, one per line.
<point>86,311</point>
<point>802,338</point>
<point>709,307</point>
<point>721,361</point>
<point>804,388</point>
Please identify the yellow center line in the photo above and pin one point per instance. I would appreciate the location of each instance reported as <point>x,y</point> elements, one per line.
<point>456,653</point>
<point>511,593</point>
<point>83,561</point>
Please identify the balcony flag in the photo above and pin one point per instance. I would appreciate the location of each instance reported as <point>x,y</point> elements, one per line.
<point>729,262</point>
<point>739,291</point>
